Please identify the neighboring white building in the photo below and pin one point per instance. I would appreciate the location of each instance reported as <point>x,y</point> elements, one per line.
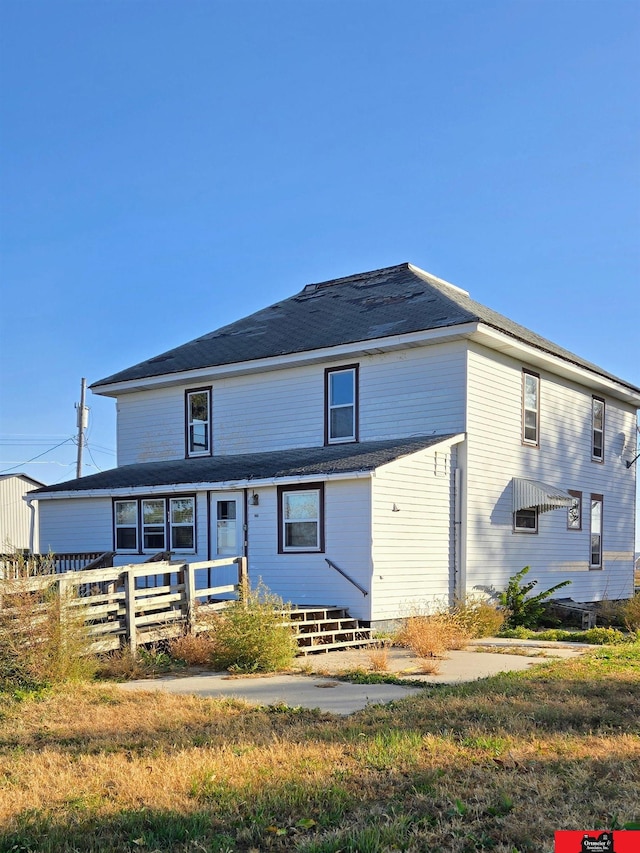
<point>18,520</point>
<point>384,423</point>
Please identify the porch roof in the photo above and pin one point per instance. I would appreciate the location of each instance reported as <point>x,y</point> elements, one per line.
<point>246,468</point>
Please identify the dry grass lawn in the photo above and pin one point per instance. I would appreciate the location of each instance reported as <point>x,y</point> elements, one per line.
<point>495,765</point>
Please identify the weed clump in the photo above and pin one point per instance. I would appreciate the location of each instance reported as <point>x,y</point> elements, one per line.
<point>253,634</point>
<point>44,638</point>
<point>630,613</point>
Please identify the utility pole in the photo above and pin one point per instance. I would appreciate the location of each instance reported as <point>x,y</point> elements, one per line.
<point>83,419</point>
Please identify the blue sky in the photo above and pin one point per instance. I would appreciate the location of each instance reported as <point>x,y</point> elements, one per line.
<point>168,166</point>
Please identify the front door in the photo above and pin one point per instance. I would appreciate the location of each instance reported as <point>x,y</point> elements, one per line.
<point>227,525</point>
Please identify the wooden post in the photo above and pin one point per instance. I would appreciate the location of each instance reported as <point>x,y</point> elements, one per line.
<point>243,580</point>
<point>189,580</point>
<point>130,607</point>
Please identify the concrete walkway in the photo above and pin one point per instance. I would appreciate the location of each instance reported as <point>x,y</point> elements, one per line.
<point>317,687</point>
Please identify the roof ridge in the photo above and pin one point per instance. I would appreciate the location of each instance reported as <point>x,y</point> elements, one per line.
<point>309,288</point>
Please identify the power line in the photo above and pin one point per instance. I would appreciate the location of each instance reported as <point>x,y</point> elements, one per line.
<point>33,458</point>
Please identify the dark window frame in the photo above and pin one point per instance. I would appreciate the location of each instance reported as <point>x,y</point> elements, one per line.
<point>594,457</point>
<point>527,441</point>
<point>578,496</point>
<point>301,487</point>
<point>528,530</point>
<point>188,453</point>
<point>599,565</point>
<point>168,536</point>
<point>356,404</point>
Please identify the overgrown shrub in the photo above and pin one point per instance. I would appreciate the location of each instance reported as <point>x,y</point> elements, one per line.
<point>253,635</point>
<point>630,613</point>
<point>44,638</point>
<point>479,617</point>
<point>431,635</point>
<point>193,649</point>
<point>523,609</point>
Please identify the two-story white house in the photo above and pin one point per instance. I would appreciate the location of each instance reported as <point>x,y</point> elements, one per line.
<point>385,424</point>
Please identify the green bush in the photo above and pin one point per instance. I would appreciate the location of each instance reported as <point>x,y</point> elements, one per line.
<point>523,609</point>
<point>630,613</point>
<point>253,635</point>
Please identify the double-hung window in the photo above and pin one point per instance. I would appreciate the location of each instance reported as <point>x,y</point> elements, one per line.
<point>153,525</point>
<point>126,525</point>
<point>301,518</point>
<point>341,404</point>
<point>597,429</point>
<point>595,560</point>
<point>530,408</point>
<point>198,422</point>
<point>149,525</point>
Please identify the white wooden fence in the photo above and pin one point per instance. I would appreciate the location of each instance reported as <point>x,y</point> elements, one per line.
<point>119,613</point>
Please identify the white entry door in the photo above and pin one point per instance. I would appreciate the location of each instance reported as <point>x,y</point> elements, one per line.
<point>227,525</point>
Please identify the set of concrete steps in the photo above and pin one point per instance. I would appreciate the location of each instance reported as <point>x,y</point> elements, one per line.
<point>325,629</point>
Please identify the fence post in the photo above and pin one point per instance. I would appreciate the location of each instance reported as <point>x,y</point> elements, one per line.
<point>243,580</point>
<point>189,580</point>
<point>130,607</point>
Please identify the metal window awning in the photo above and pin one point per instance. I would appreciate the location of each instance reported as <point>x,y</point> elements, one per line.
<point>531,494</point>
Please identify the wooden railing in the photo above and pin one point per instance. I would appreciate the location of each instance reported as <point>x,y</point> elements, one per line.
<point>21,565</point>
<point>118,614</point>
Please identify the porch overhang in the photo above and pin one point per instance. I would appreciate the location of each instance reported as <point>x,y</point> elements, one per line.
<point>534,494</point>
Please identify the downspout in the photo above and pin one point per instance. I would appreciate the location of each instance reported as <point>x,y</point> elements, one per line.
<point>32,523</point>
<point>457,530</point>
<point>245,523</point>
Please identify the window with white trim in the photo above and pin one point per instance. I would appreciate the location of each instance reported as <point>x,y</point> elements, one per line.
<point>301,519</point>
<point>530,408</point>
<point>149,525</point>
<point>597,429</point>
<point>525,520</point>
<point>595,560</point>
<point>153,525</point>
<point>182,524</point>
<point>198,418</point>
<point>126,525</point>
<point>341,404</point>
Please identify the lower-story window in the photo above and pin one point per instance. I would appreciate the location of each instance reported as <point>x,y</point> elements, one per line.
<point>525,520</point>
<point>300,518</point>
<point>149,525</point>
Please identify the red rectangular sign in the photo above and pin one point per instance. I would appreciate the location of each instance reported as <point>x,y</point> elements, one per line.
<point>597,841</point>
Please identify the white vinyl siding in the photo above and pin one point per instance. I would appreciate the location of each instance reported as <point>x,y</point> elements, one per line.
<point>71,525</point>
<point>413,534</point>
<point>495,454</point>
<point>151,426</point>
<point>15,515</point>
<point>306,578</point>
<point>416,392</point>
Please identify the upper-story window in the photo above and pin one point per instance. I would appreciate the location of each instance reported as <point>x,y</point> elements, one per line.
<point>341,404</point>
<point>597,429</point>
<point>198,422</point>
<point>530,408</point>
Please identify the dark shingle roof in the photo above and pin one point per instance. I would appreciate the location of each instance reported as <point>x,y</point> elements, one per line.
<point>392,301</point>
<point>301,462</point>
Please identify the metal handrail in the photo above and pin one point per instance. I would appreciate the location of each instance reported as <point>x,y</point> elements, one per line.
<point>345,575</point>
